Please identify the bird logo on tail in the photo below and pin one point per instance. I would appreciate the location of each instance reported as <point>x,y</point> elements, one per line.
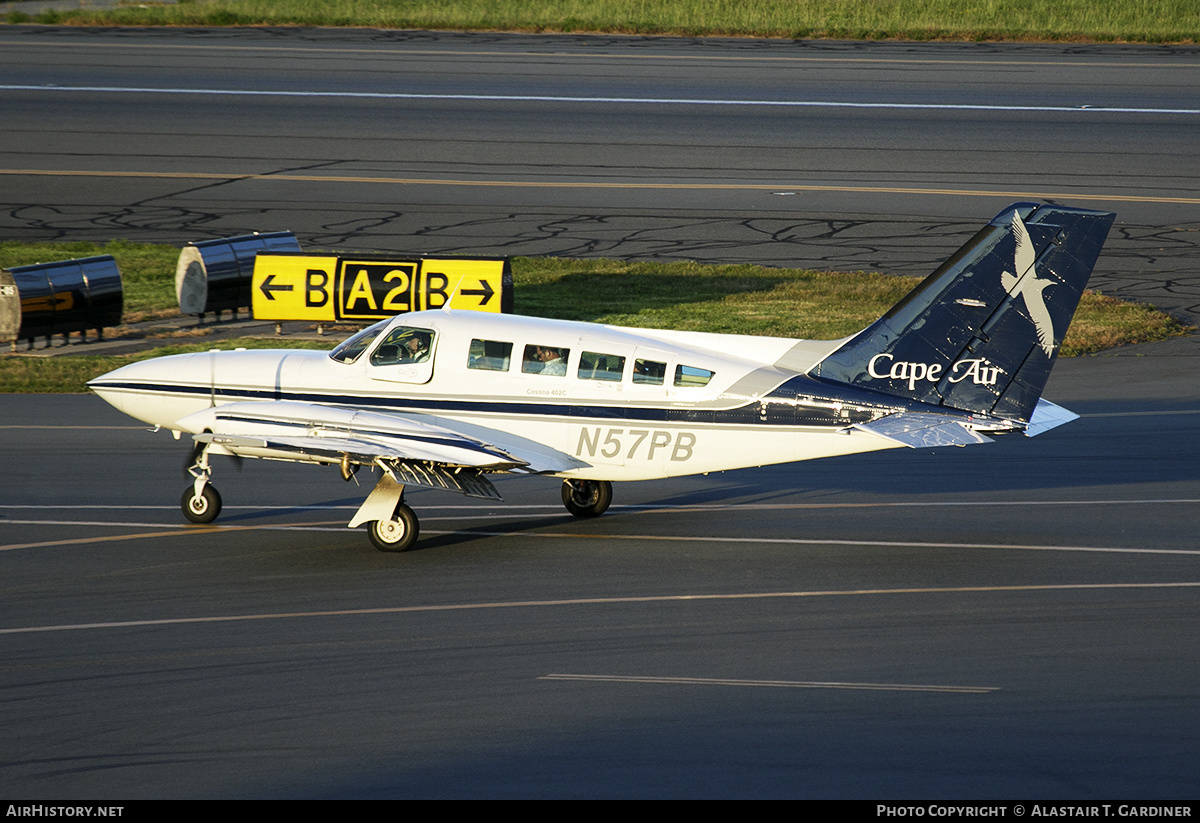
<point>1029,286</point>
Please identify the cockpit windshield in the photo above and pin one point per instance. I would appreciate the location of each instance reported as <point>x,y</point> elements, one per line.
<point>349,350</point>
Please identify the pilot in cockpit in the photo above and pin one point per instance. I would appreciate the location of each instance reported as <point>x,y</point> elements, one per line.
<point>416,348</point>
<point>403,345</point>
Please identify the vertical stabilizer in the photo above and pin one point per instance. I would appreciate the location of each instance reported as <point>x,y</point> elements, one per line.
<point>981,333</point>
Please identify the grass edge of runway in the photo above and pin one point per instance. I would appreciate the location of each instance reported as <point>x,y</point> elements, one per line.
<point>1147,21</point>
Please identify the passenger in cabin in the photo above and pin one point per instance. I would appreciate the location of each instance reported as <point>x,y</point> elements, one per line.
<point>649,371</point>
<point>553,362</point>
<point>545,360</point>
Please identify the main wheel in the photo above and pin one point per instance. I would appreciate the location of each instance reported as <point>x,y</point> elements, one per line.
<point>202,509</point>
<point>395,535</point>
<point>586,498</point>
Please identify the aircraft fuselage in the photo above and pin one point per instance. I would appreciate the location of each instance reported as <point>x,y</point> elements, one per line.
<point>700,402</point>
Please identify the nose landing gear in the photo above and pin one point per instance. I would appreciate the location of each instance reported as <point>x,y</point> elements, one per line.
<point>201,503</point>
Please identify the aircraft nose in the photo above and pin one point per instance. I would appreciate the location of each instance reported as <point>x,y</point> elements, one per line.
<point>158,391</point>
<point>104,386</point>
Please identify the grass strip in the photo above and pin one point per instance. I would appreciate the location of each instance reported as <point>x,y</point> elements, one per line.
<point>1143,21</point>
<point>798,303</point>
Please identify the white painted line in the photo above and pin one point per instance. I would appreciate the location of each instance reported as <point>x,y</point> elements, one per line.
<point>638,508</point>
<point>584,601</point>
<point>124,524</point>
<point>1156,413</point>
<point>212,528</point>
<point>545,98</point>
<point>779,684</point>
<point>800,541</point>
<point>82,428</point>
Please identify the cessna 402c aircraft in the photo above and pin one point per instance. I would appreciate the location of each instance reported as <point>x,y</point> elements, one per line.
<point>446,398</point>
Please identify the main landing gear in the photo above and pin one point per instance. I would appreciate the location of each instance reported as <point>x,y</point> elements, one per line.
<point>586,498</point>
<point>391,524</point>
<point>398,534</point>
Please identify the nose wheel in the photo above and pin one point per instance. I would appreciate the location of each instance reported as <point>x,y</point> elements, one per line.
<point>586,498</point>
<point>203,507</point>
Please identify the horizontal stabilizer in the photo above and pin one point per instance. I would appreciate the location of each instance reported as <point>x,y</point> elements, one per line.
<point>1046,416</point>
<point>922,431</point>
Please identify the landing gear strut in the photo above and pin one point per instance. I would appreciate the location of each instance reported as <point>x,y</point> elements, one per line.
<point>586,498</point>
<point>391,524</point>
<point>200,502</point>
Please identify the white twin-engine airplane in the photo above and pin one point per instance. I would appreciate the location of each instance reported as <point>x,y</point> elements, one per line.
<point>446,398</point>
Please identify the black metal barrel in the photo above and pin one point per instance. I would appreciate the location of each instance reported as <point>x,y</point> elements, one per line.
<point>215,275</point>
<point>60,298</point>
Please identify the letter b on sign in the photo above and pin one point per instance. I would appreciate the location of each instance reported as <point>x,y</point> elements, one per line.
<point>316,288</point>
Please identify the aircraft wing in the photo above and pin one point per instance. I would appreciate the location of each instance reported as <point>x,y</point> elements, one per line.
<point>410,449</point>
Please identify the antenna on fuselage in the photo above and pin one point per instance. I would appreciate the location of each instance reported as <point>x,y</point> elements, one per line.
<point>450,298</point>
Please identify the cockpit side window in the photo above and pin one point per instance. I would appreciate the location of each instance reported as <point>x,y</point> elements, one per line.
<point>349,350</point>
<point>403,344</point>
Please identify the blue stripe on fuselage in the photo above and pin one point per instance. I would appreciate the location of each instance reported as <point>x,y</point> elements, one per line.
<point>801,400</point>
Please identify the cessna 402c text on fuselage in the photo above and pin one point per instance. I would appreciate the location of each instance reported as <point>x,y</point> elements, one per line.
<point>446,398</point>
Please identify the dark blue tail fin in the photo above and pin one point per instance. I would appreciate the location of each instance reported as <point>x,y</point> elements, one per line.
<point>981,333</point>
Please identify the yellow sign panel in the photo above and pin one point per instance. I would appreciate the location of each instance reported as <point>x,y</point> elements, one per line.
<point>323,288</point>
<point>293,287</point>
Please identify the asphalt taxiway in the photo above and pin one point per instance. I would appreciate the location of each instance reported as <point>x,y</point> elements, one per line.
<point>1010,620</point>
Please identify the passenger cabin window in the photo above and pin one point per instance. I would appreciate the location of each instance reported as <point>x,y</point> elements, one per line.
<point>691,376</point>
<point>403,345</point>
<point>489,355</point>
<point>649,372</point>
<point>595,366</point>
<point>349,350</point>
<point>547,360</point>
